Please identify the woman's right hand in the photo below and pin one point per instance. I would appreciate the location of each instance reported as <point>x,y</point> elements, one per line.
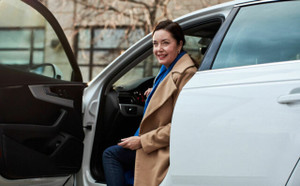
<point>132,143</point>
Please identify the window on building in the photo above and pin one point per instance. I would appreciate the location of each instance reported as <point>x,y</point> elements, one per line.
<point>22,46</point>
<point>96,47</point>
<point>29,43</point>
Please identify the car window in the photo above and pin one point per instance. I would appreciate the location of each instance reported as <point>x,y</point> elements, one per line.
<point>147,68</point>
<point>28,42</point>
<point>196,47</point>
<point>261,34</point>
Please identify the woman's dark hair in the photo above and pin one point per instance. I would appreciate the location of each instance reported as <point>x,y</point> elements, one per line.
<point>171,27</point>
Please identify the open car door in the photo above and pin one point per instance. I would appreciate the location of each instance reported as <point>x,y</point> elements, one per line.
<point>41,91</point>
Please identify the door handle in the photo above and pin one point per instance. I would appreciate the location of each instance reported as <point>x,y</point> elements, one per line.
<point>287,99</point>
<point>43,92</point>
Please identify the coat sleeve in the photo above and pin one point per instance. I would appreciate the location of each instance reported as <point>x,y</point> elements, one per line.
<point>160,137</point>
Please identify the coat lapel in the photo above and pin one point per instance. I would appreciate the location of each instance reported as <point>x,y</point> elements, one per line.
<point>162,93</point>
<point>167,87</point>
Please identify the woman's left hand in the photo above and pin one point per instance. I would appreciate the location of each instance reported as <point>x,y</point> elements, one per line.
<point>147,92</point>
<point>132,143</point>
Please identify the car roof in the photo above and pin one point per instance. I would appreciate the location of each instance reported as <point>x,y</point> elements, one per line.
<point>227,6</point>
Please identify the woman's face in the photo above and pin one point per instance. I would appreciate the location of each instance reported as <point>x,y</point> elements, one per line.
<point>165,47</point>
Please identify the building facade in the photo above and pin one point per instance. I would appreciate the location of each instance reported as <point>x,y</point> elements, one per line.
<point>100,30</point>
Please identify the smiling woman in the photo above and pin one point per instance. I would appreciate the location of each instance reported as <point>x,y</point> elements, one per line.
<point>165,47</point>
<point>148,149</point>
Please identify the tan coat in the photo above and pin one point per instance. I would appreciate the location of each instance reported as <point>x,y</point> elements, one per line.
<point>152,160</point>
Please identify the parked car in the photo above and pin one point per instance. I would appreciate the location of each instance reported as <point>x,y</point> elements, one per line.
<point>235,122</point>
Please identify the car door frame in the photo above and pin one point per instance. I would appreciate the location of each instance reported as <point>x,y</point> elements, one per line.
<point>96,92</point>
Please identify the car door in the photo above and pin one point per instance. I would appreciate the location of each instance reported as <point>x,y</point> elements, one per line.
<point>242,125</point>
<point>41,91</point>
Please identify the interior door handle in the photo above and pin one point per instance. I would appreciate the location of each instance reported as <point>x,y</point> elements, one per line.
<point>287,99</point>
<point>42,92</point>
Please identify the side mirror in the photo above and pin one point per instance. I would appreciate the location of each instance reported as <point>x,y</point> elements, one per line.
<point>46,69</point>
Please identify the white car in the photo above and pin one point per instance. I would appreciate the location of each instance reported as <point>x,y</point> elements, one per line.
<point>236,122</point>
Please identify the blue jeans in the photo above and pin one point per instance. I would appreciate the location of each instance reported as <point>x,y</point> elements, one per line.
<point>118,164</point>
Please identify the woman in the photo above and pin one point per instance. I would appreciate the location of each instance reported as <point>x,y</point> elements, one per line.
<point>151,141</point>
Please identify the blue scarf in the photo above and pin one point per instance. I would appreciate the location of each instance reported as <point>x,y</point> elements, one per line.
<point>164,71</point>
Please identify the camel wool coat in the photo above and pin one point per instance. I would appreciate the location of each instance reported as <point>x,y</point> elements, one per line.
<point>152,160</point>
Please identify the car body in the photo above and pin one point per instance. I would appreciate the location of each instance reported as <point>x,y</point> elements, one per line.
<point>235,122</point>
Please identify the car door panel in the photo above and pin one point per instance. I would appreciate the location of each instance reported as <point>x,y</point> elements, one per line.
<point>248,123</point>
<point>41,133</point>
<point>243,122</point>
<point>41,125</point>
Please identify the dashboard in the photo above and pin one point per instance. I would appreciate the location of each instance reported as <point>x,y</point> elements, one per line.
<point>133,92</point>
<point>131,96</point>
